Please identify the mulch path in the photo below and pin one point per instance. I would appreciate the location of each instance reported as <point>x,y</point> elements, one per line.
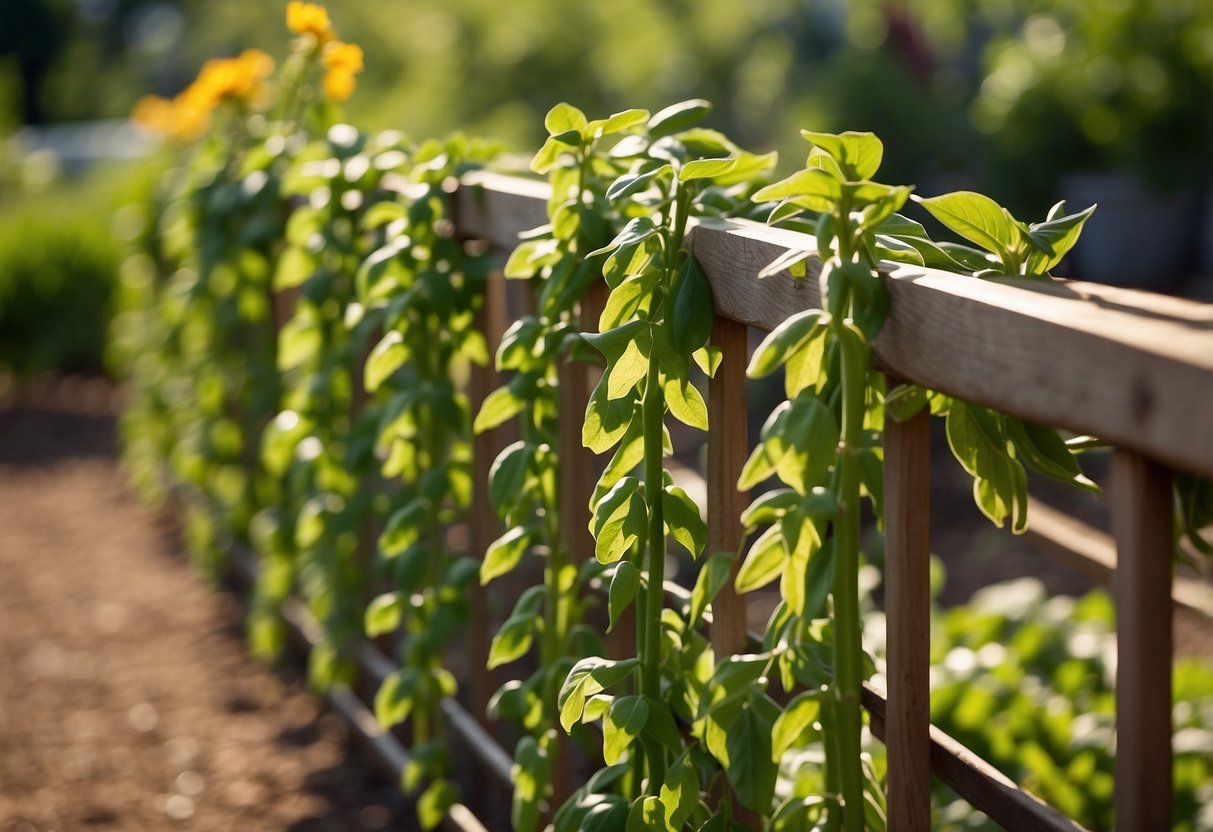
<point>126,698</point>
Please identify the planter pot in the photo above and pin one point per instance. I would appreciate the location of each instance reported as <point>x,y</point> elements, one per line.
<point>1137,237</point>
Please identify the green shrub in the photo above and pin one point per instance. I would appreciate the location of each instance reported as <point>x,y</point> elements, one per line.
<point>56,280</point>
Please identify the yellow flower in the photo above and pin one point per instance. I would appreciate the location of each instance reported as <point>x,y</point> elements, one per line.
<point>239,79</point>
<point>342,61</point>
<point>232,78</point>
<point>153,113</point>
<point>309,19</point>
<point>180,118</point>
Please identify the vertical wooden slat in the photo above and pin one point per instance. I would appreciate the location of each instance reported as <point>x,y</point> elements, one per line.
<point>483,524</point>
<point>1142,525</point>
<point>907,507</point>
<point>727,452</point>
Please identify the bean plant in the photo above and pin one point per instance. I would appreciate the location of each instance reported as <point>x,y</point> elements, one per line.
<point>524,482</point>
<point>824,442</point>
<point>319,447</point>
<point>654,329</point>
<point>423,286</point>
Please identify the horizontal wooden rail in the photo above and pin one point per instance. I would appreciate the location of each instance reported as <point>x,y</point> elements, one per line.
<point>1093,552</point>
<point>977,781</point>
<point>1130,367</point>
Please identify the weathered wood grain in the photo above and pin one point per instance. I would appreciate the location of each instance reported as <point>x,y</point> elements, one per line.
<point>907,520</point>
<point>727,453</point>
<point>1142,521</point>
<point>1130,367</point>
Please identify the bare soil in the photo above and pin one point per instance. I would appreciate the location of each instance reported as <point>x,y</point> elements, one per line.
<point>127,701</point>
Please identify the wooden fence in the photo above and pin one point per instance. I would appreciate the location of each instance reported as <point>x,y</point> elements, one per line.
<point>1132,368</point>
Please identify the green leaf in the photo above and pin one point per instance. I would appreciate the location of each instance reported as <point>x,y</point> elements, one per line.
<point>764,563</point>
<point>511,642</point>
<point>531,772</point>
<point>589,676</point>
<point>769,507</point>
<point>799,714</point>
<point>435,802</point>
<point>708,358</point>
<point>741,741</point>
<point>627,371</point>
<point>619,520</point>
<point>1055,237</point>
<point>632,183</point>
<point>797,813</point>
<point>804,368</point>
<point>792,335</point>
<point>394,699</point>
<point>515,636</point>
<point>813,189</point>
<point>623,121</point>
<point>975,217</point>
<point>625,583</point>
<point>383,614</point>
<point>504,553</point>
<point>748,168</point>
<point>792,261</point>
<point>548,156</point>
<point>678,117</point>
<point>636,231</point>
<point>806,447</point>
<point>625,300</point>
<point>999,480</point>
<point>528,258</point>
<point>686,403</point>
<point>707,168</point>
<point>661,727</point>
<point>646,815</point>
<point>712,578</point>
<point>627,456</point>
<point>508,473</point>
<point>298,341</point>
<point>680,792</point>
<point>562,118</point>
<point>498,406</point>
<point>693,310</point>
<point>612,343</point>
<point>859,154</point>
<point>905,401</point>
<point>624,721</point>
<point>682,520</point>
<point>403,527</point>
<point>1047,453</point>
<point>606,420</point>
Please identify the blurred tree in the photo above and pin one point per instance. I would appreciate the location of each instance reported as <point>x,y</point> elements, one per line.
<point>34,32</point>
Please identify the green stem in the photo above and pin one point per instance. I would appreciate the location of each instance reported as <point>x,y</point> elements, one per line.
<point>848,648</point>
<point>653,414</point>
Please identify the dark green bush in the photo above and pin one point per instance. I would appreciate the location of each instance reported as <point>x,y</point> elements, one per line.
<point>56,280</point>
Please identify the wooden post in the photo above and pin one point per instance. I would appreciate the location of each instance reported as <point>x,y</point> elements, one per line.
<point>907,511</point>
<point>1142,521</point>
<point>727,452</point>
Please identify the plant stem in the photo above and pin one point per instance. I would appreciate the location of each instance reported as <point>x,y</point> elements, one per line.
<point>650,680</point>
<point>847,641</point>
